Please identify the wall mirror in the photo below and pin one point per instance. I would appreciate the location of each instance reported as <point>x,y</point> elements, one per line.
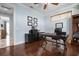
<point>59,25</point>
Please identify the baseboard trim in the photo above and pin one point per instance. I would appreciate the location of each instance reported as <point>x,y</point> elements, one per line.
<point>19,43</point>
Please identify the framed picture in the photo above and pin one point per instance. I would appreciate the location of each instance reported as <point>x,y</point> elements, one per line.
<point>29,18</point>
<point>32,21</point>
<point>29,23</point>
<point>59,25</point>
<point>35,21</point>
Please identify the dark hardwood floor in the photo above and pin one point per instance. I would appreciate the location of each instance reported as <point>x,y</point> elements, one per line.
<point>38,48</point>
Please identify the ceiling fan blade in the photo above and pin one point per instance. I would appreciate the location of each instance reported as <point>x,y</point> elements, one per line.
<point>36,3</point>
<point>55,3</point>
<point>45,6</point>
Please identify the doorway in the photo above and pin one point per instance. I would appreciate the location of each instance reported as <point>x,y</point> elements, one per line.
<point>4,31</point>
<point>7,26</point>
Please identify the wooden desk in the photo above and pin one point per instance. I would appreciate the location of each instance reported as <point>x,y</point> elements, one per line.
<point>54,37</point>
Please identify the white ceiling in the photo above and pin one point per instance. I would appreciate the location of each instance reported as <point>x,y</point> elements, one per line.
<point>50,7</point>
<point>6,8</point>
<point>38,7</point>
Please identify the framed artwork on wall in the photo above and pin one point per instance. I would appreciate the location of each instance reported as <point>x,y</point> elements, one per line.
<point>29,23</point>
<point>32,21</point>
<point>59,25</point>
<point>29,18</point>
<point>35,22</point>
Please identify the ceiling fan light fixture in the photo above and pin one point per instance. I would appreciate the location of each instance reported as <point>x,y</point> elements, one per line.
<point>31,6</point>
<point>55,3</point>
<point>45,6</point>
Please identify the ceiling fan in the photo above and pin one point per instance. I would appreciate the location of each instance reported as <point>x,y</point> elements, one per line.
<point>45,5</point>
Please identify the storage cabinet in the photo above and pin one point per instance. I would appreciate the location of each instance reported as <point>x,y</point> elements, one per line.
<point>32,36</point>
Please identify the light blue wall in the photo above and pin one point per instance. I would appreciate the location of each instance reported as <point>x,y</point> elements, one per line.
<point>21,27</point>
<point>48,24</point>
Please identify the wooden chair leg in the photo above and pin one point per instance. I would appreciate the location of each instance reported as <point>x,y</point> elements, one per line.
<point>65,47</point>
<point>45,41</point>
<point>56,43</point>
<point>76,40</point>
